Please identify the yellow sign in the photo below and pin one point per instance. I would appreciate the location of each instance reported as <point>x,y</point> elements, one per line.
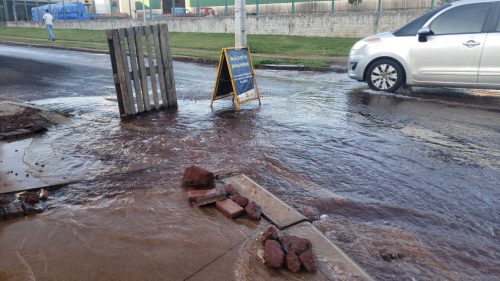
<point>235,77</point>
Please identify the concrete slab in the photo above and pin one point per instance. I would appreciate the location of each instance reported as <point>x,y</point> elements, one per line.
<point>332,261</point>
<point>277,211</point>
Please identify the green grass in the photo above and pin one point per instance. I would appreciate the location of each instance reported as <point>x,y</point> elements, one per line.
<point>79,35</point>
<point>312,52</point>
<point>271,44</point>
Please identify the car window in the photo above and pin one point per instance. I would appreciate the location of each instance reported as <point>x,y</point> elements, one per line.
<point>462,19</point>
<point>498,25</point>
<point>411,28</point>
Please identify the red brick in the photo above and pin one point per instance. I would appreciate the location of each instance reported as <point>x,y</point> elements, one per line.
<point>229,208</point>
<point>193,195</point>
<point>219,195</point>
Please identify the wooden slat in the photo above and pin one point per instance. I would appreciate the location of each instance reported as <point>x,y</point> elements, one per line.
<point>135,70</point>
<point>114,55</point>
<point>151,71</point>
<point>164,58</point>
<point>159,64</point>
<point>171,68</point>
<point>125,65</point>
<point>142,68</point>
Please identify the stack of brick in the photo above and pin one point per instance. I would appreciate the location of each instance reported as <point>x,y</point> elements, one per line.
<point>227,201</point>
<point>288,251</point>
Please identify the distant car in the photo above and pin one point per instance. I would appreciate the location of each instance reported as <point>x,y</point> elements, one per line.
<point>454,45</point>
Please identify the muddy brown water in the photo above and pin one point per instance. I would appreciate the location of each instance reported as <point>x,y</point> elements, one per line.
<point>416,174</point>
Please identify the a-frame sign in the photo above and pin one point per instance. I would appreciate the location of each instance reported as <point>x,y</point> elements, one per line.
<point>236,77</point>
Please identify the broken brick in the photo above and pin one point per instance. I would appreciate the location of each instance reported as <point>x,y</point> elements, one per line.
<point>193,195</point>
<point>13,209</point>
<point>273,254</point>
<point>212,198</point>
<point>229,208</point>
<point>253,211</point>
<point>230,189</point>
<point>295,244</point>
<point>292,262</point>
<point>308,260</point>
<point>197,176</point>
<point>270,233</point>
<point>240,200</point>
<point>31,196</point>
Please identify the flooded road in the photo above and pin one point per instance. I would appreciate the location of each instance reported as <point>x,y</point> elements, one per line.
<point>416,174</point>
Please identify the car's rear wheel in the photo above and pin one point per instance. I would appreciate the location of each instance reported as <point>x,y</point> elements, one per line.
<point>385,75</point>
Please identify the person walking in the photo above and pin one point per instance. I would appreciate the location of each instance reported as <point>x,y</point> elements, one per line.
<point>48,20</point>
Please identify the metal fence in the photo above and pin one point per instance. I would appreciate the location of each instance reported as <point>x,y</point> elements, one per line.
<point>20,10</point>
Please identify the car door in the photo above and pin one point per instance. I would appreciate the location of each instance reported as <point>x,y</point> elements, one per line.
<point>489,68</point>
<point>452,51</point>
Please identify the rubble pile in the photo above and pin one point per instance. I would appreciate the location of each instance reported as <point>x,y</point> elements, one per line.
<point>23,203</point>
<point>292,252</point>
<point>226,200</point>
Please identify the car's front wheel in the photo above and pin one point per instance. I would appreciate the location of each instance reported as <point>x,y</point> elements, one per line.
<point>385,75</point>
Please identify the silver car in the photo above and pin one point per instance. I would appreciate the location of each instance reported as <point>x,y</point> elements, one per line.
<point>454,45</point>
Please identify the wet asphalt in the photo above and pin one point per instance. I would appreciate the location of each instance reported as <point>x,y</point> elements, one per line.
<point>416,172</point>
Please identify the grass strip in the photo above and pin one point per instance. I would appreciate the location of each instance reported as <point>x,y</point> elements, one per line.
<point>312,52</point>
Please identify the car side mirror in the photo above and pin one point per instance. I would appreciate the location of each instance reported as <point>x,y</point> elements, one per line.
<point>423,33</point>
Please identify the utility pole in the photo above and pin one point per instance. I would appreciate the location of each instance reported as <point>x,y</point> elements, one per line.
<point>240,35</point>
<point>144,12</point>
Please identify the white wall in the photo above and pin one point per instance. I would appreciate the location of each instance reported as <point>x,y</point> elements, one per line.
<point>342,24</point>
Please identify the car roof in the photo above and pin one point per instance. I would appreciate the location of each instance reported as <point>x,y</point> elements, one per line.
<point>464,2</point>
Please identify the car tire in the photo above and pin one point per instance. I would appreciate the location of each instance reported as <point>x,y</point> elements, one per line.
<point>385,75</point>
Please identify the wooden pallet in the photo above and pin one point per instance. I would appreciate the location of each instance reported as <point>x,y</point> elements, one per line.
<point>131,68</point>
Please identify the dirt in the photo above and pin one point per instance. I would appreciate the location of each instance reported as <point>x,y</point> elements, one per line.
<point>21,124</point>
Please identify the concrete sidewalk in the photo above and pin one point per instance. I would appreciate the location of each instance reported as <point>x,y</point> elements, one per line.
<point>149,235</point>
